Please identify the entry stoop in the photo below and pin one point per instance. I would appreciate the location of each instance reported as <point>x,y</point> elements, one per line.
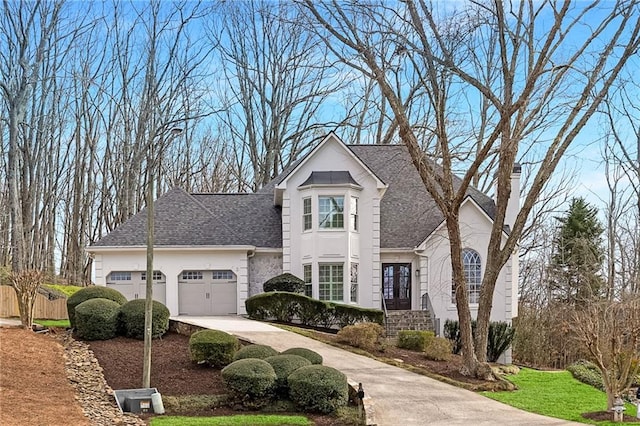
<point>408,320</point>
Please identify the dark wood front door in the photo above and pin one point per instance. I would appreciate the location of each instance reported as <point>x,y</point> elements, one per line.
<point>396,285</point>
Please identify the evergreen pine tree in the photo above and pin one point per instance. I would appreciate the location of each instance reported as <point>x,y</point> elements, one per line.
<point>578,254</point>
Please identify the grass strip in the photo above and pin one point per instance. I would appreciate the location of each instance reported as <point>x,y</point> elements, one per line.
<point>235,420</point>
<point>53,323</point>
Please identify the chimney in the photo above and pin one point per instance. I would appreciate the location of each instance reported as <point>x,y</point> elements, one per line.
<point>513,206</point>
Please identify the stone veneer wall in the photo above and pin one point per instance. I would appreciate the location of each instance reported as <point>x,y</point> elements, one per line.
<point>262,267</point>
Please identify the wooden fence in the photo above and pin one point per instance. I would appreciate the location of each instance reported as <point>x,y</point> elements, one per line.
<point>44,309</point>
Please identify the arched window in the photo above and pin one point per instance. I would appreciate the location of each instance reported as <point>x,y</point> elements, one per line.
<point>472,270</point>
<point>472,267</point>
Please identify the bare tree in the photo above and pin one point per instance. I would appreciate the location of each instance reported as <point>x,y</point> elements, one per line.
<point>26,283</point>
<point>610,330</point>
<point>539,81</point>
<point>26,31</point>
<point>274,83</point>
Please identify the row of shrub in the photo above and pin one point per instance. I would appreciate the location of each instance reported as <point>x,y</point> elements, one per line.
<point>370,337</point>
<point>256,374</point>
<point>500,337</point>
<point>102,313</point>
<point>289,307</point>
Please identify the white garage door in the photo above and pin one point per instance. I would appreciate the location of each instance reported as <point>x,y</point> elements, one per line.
<point>133,285</point>
<point>207,292</point>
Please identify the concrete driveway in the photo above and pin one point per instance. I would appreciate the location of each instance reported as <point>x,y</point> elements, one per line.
<point>398,397</point>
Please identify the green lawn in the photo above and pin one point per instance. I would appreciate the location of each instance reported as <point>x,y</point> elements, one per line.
<point>67,290</point>
<point>236,420</point>
<point>556,394</point>
<point>53,323</point>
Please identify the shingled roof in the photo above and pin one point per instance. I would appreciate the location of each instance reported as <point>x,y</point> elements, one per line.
<point>408,214</point>
<point>183,219</point>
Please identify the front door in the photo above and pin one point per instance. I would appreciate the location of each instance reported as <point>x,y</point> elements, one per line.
<point>396,285</point>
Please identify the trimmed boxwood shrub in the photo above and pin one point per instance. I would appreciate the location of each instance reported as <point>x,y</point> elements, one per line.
<point>365,335</point>
<point>92,292</point>
<point>314,357</point>
<point>415,340</point>
<point>284,365</point>
<point>255,351</point>
<point>318,388</point>
<point>97,319</point>
<point>213,347</point>
<point>132,319</point>
<point>251,381</point>
<point>284,282</point>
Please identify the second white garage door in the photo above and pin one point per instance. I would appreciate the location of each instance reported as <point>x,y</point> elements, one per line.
<point>207,292</point>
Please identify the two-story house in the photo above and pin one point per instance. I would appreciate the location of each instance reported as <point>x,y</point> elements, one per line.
<point>354,221</point>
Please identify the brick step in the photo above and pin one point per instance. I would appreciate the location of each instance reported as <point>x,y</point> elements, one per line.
<point>407,320</point>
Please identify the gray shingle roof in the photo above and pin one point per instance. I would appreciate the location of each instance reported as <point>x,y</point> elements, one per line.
<point>330,178</point>
<point>408,213</point>
<point>183,219</point>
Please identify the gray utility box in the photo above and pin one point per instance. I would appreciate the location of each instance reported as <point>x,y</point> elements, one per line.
<point>135,400</point>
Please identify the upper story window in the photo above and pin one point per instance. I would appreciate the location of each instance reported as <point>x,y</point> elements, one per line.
<point>223,275</point>
<point>472,270</point>
<point>353,214</point>
<point>331,212</point>
<point>307,221</point>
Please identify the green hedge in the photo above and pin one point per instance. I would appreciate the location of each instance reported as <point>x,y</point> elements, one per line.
<point>92,292</point>
<point>132,316</point>
<point>318,388</point>
<point>285,307</point>
<point>587,372</point>
<point>255,351</point>
<point>415,340</point>
<point>251,381</point>
<point>314,357</point>
<point>213,347</point>
<point>284,365</point>
<point>97,319</point>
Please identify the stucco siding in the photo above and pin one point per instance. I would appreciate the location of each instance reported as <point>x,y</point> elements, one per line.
<point>475,229</point>
<point>172,262</point>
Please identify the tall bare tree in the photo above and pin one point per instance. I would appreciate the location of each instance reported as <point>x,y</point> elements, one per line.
<point>501,79</point>
<point>26,31</point>
<point>274,83</point>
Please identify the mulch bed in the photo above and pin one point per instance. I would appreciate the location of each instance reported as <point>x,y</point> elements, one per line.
<point>601,416</point>
<point>172,372</point>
